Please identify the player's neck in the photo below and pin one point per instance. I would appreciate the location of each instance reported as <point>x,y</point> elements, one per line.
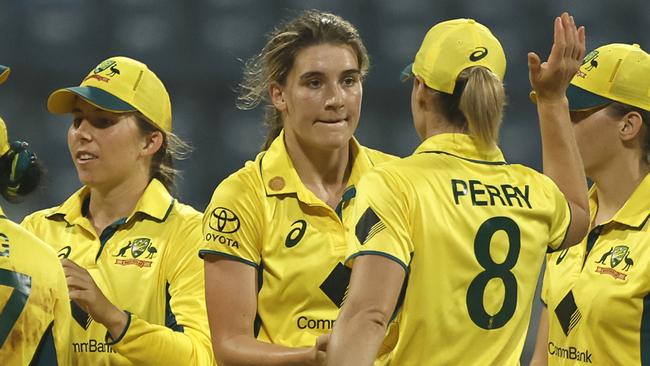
<point>324,172</point>
<point>111,203</point>
<point>436,124</point>
<point>615,183</point>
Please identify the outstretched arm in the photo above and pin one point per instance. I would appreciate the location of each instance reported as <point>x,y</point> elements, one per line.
<point>561,158</point>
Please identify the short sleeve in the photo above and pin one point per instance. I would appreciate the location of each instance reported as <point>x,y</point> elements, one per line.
<point>233,222</point>
<point>560,217</point>
<point>379,222</point>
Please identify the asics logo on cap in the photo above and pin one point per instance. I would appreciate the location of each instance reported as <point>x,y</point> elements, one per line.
<point>479,54</point>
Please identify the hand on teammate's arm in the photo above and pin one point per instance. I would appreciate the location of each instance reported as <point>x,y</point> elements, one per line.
<point>561,158</point>
<point>231,298</point>
<point>375,286</point>
<point>85,293</point>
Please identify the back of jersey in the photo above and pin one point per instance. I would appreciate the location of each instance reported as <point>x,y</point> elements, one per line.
<point>471,231</point>
<point>34,304</point>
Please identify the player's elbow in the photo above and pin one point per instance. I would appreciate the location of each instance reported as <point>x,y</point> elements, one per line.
<point>578,228</point>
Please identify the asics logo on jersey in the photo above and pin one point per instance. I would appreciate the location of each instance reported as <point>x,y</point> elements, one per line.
<point>296,234</point>
<point>478,54</point>
<point>65,252</point>
<point>617,255</point>
<point>560,257</point>
<point>223,220</point>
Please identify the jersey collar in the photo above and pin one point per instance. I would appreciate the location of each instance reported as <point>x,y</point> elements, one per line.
<point>280,176</point>
<point>462,146</point>
<point>634,212</point>
<point>155,203</point>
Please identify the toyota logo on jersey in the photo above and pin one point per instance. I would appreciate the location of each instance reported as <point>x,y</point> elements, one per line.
<point>224,221</point>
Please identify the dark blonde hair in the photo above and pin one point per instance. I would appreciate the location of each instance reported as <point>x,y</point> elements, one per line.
<point>173,148</point>
<point>476,106</point>
<point>274,62</point>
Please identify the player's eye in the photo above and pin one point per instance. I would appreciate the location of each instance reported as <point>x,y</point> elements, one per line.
<point>350,80</point>
<point>314,83</point>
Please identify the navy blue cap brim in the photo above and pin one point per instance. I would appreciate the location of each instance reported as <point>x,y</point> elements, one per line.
<point>581,99</point>
<point>4,73</point>
<point>62,100</point>
<point>407,73</point>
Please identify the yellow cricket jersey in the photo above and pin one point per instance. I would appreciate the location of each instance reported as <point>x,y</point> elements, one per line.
<point>470,231</point>
<point>34,304</point>
<point>144,264</point>
<point>598,292</point>
<point>265,217</point>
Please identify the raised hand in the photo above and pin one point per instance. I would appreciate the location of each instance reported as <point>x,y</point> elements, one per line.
<point>551,78</point>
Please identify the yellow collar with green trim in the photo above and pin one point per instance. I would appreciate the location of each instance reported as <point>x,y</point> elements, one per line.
<point>155,202</point>
<point>634,212</point>
<point>462,146</point>
<point>280,176</point>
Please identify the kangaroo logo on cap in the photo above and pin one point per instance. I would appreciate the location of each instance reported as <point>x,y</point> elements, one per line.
<point>591,59</point>
<point>479,54</point>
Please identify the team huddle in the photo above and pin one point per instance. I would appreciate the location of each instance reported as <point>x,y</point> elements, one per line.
<point>321,251</point>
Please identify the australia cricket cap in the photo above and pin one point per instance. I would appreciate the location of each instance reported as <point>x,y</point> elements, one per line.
<point>452,46</point>
<point>614,72</point>
<point>119,84</point>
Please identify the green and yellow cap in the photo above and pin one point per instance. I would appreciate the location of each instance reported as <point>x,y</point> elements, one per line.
<point>119,84</point>
<point>614,72</point>
<point>452,46</point>
<point>4,73</point>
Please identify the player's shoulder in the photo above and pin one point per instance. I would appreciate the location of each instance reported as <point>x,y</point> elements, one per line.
<point>25,244</point>
<point>377,157</point>
<point>39,215</point>
<point>245,182</point>
<point>184,212</point>
<point>533,175</point>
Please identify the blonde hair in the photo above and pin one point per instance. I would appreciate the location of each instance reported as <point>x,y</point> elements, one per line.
<point>274,62</point>
<point>476,106</point>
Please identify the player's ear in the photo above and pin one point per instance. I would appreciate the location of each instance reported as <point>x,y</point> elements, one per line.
<point>153,143</point>
<point>630,126</point>
<point>421,93</point>
<point>277,96</point>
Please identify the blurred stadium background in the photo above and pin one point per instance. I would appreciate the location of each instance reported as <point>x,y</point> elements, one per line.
<point>197,46</point>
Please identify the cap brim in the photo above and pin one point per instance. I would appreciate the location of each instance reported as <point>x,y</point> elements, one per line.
<point>581,99</point>
<point>407,73</point>
<point>62,100</point>
<point>4,73</point>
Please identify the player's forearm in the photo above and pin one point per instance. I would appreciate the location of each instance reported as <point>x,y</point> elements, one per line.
<point>248,351</point>
<point>356,339</point>
<point>144,343</point>
<point>562,161</point>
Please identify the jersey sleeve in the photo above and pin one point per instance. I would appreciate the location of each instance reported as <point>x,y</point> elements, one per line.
<point>560,216</point>
<point>379,223</point>
<point>185,338</point>
<point>233,222</point>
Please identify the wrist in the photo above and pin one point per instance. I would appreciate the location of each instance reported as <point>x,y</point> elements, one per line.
<point>115,321</point>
